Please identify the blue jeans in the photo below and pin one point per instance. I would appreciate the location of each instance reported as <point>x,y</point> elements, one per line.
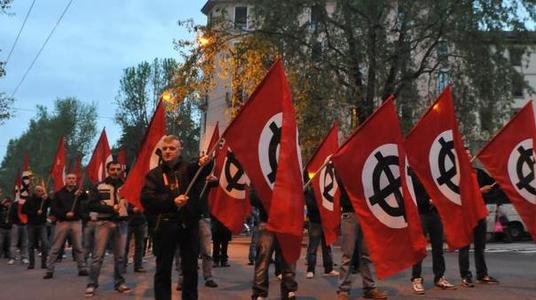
<point>138,231</point>
<point>18,232</point>
<point>117,232</point>
<point>36,232</point>
<point>316,238</point>
<point>266,245</point>
<point>351,231</point>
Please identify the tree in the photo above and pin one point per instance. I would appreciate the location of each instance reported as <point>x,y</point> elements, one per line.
<point>343,57</point>
<point>5,101</point>
<point>70,118</point>
<point>140,90</point>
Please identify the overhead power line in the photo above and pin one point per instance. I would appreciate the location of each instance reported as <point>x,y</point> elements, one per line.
<point>20,31</point>
<point>42,47</point>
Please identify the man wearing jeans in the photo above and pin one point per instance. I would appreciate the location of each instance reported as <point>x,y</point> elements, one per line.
<point>316,238</point>
<point>136,229</point>
<point>66,209</point>
<point>266,245</point>
<point>350,231</point>
<point>36,207</point>
<point>111,224</point>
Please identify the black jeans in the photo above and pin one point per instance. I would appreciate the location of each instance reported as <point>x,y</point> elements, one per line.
<point>316,238</point>
<point>167,237</point>
<point>37,233</point>
<point>267,243</point>
<point>479,240</point>
<point>138,231</point>
<point>431,224</point>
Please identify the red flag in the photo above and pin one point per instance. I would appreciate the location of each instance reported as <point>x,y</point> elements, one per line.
<point>22,188</point>
<point>509,157</point>
<point>371,165</point>
<point>149,157</point>
<point>436,152</point>
<point>57,171</point>
<point>326,190</point>
<point>96,168</point>
<point>228,201</point>
<point>122,159</point>
<point>264,138</point>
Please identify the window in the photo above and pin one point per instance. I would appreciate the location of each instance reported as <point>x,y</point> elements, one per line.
<point>443,52</point>
<point>442,80</point>
<point>518,85</point>
<point>516,55</point>
<point>241,18</point>
<point>316,14</point>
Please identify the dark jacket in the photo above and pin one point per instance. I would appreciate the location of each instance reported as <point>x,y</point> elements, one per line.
<point>313,213</point>
<point>104,196</point>
<point>14,214</point>
<point>157,197</point>
<point>346,203</point>
<point>63,203</point>
<point>31,208</point>
<point>424,203</point>
<point>4,217</point>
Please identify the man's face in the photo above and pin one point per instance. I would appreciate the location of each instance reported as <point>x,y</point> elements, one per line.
<point>39,191</point>
<point>114,170</point>
<point>70,180</point>
<point>171,150</point>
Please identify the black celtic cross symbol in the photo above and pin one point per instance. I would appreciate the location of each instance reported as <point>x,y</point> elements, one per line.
<point>233,179</point>
<point>446,176</point>
<point>525,157</point>
<point>329,185</point>
<point>272,150</point>
<point>392,188</point>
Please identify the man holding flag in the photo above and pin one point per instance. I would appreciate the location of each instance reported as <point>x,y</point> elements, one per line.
<point>165,196</point>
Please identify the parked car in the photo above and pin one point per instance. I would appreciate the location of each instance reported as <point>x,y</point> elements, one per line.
<point>515,227</point>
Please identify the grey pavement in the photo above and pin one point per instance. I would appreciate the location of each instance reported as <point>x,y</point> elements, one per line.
<point>513,264</point>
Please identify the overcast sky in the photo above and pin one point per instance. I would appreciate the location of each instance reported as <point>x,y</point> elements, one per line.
<point>85,56</point>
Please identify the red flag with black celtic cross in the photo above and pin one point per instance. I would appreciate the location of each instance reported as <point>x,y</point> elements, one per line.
<point>372,167</point>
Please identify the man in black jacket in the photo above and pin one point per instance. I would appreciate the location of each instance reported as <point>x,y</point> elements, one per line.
<point>35,207</point>
<point>177,217</point>
<point>5,226</point>
<point>66,209</point>
<point>112,224</point>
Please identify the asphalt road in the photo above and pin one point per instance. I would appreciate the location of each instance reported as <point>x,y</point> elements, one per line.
<point>513,264</point>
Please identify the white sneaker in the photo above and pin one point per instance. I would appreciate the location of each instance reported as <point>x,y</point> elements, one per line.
<point>310,275</point>
<point>25,261</point>
<point>11,261</point>
<point>333,273</point>
<point>291,295</point>
<point>444,284</point>
<point>280,276</point>
<point>259,298</point>
<point>417,286</point>
<point>90,291</point>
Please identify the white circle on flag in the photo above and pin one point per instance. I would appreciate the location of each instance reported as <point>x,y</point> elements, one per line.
<point>265,149</point>
<point>367,178</point>
<point>513,161</point>
<point>102,168</point>
<point>156,154</point>
<point>440,169</point>
<point>224,182</point>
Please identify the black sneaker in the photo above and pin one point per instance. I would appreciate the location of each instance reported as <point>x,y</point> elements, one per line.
<point>48,275</point>
<point>140,270</point>
<point>83,273</point>
<point>468,282</point>
<point>250,263</point>
<point>30,267</point>
<point>488,280</point>
<point>211,283</point>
